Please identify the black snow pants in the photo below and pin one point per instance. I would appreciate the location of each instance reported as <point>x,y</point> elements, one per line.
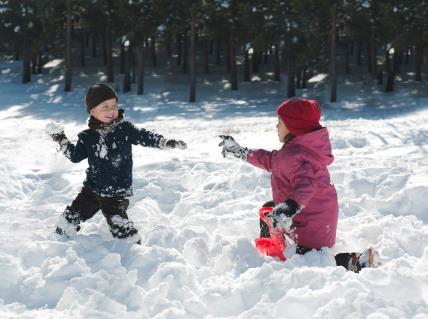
<point>87,204</point>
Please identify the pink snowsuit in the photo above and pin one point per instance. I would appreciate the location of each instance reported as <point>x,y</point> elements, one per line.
<point>299,172</point>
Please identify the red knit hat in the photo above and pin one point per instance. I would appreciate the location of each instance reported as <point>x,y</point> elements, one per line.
<point>300,115</point>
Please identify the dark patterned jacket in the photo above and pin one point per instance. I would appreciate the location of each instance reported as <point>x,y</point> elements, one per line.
<point>108,149</point>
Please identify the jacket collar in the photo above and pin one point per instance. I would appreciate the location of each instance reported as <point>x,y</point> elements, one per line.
<point>288,138</point>
<point>97,125</point>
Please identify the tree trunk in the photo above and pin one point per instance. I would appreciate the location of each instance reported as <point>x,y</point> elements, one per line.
<point>108,53</point>
<point>127,75</point>
<point>140,89</point>
<point>206,55</point>
<point>211,47</point>
<point>185,52</point>
<point>380,77</point>
<point>369,56</point>
<point>333,80</point>
<point>381,70</point>
<point>398,55</point>
<point>419,50</point>
<point>17,50</point>
<point>246,66</point>
<point>390,69</point>
<point>227,53</point>
<point>168,49</point>
<point>401,58</point>
<point>407,56</point>
<point>104,48</point>
<point>359,53</point>
<point>255,60</point>
<point>68,63</point>
<point>347,54</point>
<point>40,63</point>
<point>373,54</point>
<point>232,54</point>
<point>291,85</point>
<point>122,58</point>
<point>94,44</point>
<point>179,49</point>
<point>34,63</point>
<point>398,58</point>
<point>26,69</point>
<point>82,49</point>
<point>277,62</point>
<point>192,96</point>
<point>153,49</point>
<point>218,52</point>
<point>304,78</point>
<point>266,56</point>
<point>133,66</point>
<point>299,79</point>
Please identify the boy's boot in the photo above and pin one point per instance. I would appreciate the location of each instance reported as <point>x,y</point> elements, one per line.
<point>122,228</point>
<point>369,258</point>
<point>68,223</point>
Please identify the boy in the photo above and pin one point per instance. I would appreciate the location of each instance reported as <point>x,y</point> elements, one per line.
<point>107,145</point>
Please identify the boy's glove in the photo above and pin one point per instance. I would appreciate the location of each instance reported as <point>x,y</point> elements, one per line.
<point>170,144</point>
<point>283,213</point>
<point>58,137</point>
<point>231,148</point>
<point>56,132</point>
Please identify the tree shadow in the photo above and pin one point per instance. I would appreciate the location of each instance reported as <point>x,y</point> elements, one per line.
<point>167,95</point>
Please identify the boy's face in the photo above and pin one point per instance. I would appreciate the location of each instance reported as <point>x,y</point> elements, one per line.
<point>106,111</point>
<point>282,130</point>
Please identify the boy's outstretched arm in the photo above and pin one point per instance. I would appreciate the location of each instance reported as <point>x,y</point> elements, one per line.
<point>150,139</point>
<point>74,153</point>
<point>170,143</point>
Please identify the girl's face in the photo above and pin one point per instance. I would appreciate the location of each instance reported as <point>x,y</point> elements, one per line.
<point>106,111</point>
<point>282,130</point>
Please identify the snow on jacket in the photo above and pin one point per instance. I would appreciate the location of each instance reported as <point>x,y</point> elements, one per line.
<point>108,149</point>
<point>299,171</point>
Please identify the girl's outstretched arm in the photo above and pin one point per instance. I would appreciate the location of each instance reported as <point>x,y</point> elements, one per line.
<point>258,158</point>
<point>261,159</point>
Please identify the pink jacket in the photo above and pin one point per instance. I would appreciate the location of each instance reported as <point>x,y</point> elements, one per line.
<point>299,171</point>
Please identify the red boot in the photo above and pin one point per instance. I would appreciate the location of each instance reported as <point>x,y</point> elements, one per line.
<point>275,245</point>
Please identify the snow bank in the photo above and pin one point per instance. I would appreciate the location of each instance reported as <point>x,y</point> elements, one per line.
<point>197,215</point>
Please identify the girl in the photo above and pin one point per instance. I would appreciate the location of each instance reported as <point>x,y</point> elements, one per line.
<point>304,206</point>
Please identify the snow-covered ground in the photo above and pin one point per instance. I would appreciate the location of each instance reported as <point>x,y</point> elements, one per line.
<point>197,212</point>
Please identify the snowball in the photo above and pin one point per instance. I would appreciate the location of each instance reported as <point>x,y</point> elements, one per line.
<point>54,128</point>
<point>229,142</point>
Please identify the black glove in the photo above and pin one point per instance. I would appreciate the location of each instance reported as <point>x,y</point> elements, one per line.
<point>283,213</point>
<point>231,148</point>
<point>58,137</point>
<point>169,144</point>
